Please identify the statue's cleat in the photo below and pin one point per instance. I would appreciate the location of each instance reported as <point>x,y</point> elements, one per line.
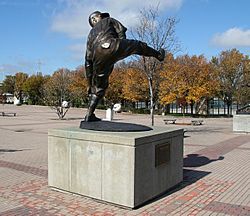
<point>91,118</point>
<point>161,55</point>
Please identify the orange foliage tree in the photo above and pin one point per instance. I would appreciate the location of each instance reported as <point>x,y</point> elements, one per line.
<point>78,87</point>
<point>172,85</point>
<point>190,78</point>
<point>114,93</point>
<point>234,69</point>
<point>135,86</point>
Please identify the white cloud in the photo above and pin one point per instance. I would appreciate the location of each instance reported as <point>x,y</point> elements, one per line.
<point>234,37</point>
<point>21,65</point>
<point>77,51</point>
<point>8,69</point>
<point>76,47</point>
<point>72,19</point>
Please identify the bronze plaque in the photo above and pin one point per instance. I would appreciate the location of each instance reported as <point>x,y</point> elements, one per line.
<point>162,154</point>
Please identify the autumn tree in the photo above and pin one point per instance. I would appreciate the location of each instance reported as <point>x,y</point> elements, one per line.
<point>78,86</point>
<point>9,84</point>
<point>243,93</point>
<point>57,90</point>
<point>172,85</point>
<point>20,79</point>
<point>114,93</point>
<point>157,33</point>
<point>189,79</point>
<point>233,69</point>
<point>201,80</point>
<point>135,86</point>
<point>2,96</point>
<point>33,88</point>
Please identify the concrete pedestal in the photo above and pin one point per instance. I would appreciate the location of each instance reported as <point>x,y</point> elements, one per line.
<point>124,168</point>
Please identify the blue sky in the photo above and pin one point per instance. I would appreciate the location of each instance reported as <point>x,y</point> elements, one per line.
<point>49,34</point>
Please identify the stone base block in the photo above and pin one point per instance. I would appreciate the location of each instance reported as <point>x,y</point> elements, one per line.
<point>124,168</point>
<point>241,123</point>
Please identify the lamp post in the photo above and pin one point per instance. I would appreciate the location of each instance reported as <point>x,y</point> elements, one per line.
<point>2,71</point>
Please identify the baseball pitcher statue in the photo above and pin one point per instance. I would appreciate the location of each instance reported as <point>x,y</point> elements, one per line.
<point>106,45</point>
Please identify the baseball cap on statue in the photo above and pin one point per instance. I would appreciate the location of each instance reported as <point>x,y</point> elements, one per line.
<point>96,16</point>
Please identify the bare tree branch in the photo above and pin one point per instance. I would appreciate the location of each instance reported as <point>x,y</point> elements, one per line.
<point>157,33</point>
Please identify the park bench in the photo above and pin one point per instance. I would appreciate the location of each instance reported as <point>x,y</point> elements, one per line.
<point>8,113</point>
<point>197,122</point>
<point>169,121</point>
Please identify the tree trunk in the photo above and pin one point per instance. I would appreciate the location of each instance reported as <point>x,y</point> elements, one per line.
<point>207,106</point>
<point>192,108</point>
<point>150,82</point>
<point>167,108</point>
<point>20,97</point>
<point>228,108</point>
<point>229,103</point>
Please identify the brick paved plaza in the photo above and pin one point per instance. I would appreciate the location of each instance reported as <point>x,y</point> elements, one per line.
<point>216,168</point>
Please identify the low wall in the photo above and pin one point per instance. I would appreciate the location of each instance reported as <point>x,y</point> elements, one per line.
<point>241,123</point>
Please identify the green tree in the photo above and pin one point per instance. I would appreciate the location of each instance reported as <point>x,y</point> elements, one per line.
<point>243,93</point>
<point>33,88</point>
<point>57,90</point>
<point>20,79</point>
<point>9,84</point>
<point>233,69</point>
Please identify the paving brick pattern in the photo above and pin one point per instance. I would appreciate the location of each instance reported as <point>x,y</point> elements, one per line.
<point>229,209</point>
<point>36,197</point>
<point>223,147</point>
<point>216,172</point>
<point>23,168</point>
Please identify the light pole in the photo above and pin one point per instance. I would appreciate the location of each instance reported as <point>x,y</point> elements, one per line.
<point>2,71</point>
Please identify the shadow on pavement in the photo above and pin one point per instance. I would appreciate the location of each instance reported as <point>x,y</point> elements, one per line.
<point>73,118</point>
<point>206,130</point>
<point>9,150</point>
<point>196,160</point>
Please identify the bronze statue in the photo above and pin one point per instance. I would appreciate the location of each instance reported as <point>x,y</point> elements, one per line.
<point>106,45</point>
